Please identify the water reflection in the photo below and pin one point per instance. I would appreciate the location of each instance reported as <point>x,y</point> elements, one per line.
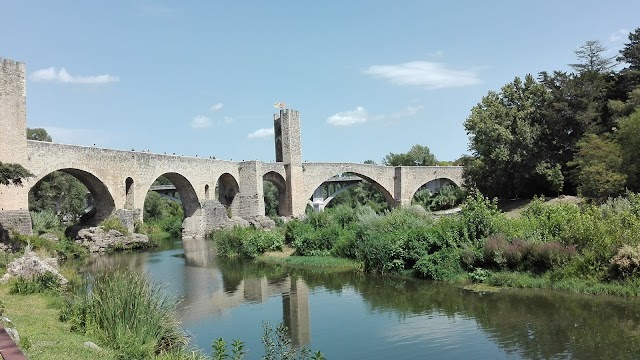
<point>364,316</point>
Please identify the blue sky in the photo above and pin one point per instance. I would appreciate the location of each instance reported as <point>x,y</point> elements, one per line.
<point>368,77</point>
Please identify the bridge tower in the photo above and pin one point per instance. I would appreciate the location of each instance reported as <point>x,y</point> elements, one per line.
<point>14,200</point>
<point>286,126</point>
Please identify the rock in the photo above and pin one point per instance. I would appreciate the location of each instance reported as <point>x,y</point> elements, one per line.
<point>235,221</point>
<point>262,222</point>
<point>96,239</point>
<point>13,333</point>
<point>30,266</point>
<point>92,346</point>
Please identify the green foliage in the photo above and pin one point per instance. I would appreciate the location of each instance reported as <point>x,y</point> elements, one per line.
<point>41,283</point>
<point>13,174</point>
<point>270,199</point>
<point>44,221</point>
<point>626,262</point>
<point>441,265</point>
<point>598,164</point>
<point>277,345</point>
<point>506,138</point>
<point>628,136</point>
<point>479,215</point>
<point>418,155</point>
<point>60,193</point>
<point>220,351</point>
<point>630,54</point>
<point>447,197</point>
<point>38,134</point>
<point>114,223</point>
<point>246,243</point>
<point>126,312</point>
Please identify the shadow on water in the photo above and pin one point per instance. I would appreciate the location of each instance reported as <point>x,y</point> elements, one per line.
<point>229,298</point>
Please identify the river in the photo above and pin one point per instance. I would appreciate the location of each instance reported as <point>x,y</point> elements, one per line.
<point>358,316</point>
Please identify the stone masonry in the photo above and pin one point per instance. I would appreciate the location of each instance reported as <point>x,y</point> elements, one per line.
<point>119,180</point>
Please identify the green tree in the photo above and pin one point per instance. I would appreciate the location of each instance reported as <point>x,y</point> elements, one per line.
<point>598,164</point>
<point>591,57</point>
<point>630,54</point>
<point>506,131</point>
<point>13,174</point>
<point>629,137</point>
<point>270,198</point>
<point>418,155</point>
<point>39,134</point>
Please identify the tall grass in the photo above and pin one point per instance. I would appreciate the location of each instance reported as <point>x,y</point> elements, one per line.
<point>126,312</point>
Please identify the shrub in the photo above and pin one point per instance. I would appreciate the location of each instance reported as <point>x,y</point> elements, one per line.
<point>44,221</point>
<point>114,223</point>
<point>246,242</point>
<point>41,283</point>
<point>518,254</point>
<point>479,215</point>
<point>441,265</point>
<point>626,262</point>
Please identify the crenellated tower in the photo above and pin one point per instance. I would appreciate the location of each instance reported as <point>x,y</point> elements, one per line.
<point>286,127</point>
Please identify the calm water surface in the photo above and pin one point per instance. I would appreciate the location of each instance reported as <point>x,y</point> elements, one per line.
<point>356,316</point>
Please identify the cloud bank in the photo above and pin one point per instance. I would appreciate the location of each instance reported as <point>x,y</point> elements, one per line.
<point>427,74</point>
<point>62,76</point>
<point>261,133</point>
<point>348,118</point>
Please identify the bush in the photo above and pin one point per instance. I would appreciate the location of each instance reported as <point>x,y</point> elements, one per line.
<point>479,215</point>
<point>626,262</point>
<point>246,242</point>
<point>39,284</point>
<point>114,223</point>
<point>441,265</point>
<point>518,254</point>
<point>44,221</point>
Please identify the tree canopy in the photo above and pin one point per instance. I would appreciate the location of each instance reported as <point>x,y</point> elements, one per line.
<point>418,155</point>
<point>569,132</point>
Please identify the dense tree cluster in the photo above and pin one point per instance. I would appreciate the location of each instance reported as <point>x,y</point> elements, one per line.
<point>564,132</point>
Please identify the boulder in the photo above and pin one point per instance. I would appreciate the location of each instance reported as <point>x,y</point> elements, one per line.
<point>30,266</point>
<point>97,239</point>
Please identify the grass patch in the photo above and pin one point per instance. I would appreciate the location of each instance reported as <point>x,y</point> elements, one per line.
<point>629,288</point>
<point>317,262</point>
<point>43,336</point>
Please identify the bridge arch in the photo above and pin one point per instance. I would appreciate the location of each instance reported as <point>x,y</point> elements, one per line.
<point>281,185</point>
<point>433,185</point>
<point>227,188</point>
<point>386,194</point>
<point>188,197</point>
<point>103,202</point>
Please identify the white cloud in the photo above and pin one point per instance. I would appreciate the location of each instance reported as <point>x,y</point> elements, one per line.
<point>216,107</point>
<point>348,118</point>
<point>261,133</point>
<point>63,76</point>
<point>428,74</point>
<point>200,121</point>
<point>619,35</point>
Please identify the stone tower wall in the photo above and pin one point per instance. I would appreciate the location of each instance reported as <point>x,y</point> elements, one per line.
<point>14,201</point>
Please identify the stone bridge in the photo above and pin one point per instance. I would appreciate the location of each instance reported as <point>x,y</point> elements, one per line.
<point>119,180</point>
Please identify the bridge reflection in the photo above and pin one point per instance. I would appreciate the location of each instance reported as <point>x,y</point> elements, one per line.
<point>209,290</point>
